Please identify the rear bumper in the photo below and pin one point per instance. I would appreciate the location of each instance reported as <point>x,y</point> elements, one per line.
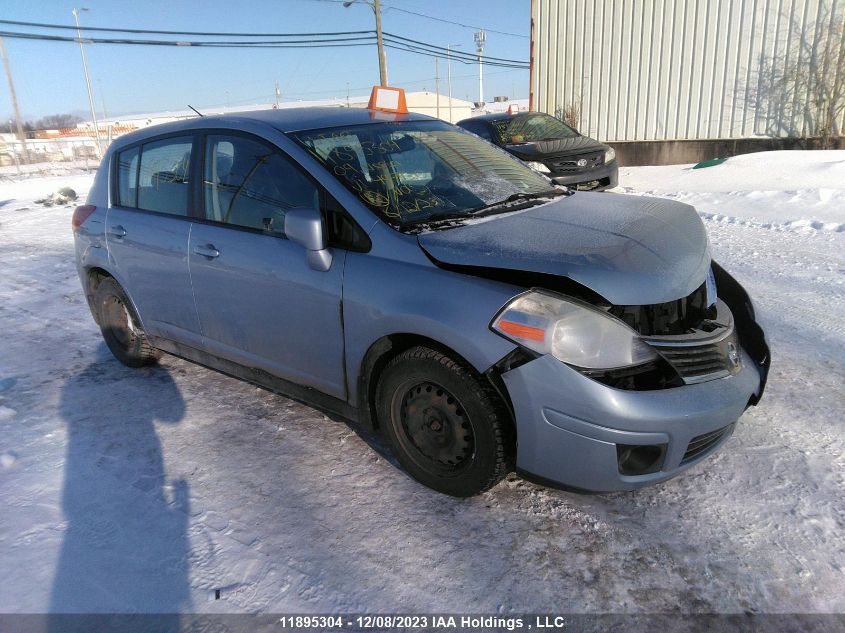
<point>569,426</point>
<point>606,175</point>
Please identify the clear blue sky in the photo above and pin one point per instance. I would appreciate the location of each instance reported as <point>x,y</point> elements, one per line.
<point>49,80</point>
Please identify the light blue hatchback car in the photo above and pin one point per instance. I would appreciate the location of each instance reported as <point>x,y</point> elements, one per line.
<point>400,271</point>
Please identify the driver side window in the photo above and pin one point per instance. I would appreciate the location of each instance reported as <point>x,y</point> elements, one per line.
<point>247,183</point>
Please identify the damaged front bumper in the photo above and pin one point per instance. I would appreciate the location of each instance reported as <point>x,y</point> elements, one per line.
<point>570,427</point>
<point>577,432</point>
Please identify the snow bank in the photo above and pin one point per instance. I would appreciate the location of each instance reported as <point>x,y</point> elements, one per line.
<point>760,171</point>
<point>787,190</point>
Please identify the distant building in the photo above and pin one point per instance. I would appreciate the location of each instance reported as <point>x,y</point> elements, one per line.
<point>422,102</point>
<point>681,80</point>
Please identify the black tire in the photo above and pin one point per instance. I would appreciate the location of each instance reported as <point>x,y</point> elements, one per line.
<point>120,326</point>
<point>446,425</point>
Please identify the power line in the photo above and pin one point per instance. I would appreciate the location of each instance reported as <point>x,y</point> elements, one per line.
<point>436,19</point>
<point>104,29</point>
<point>454,54</point>
<point>397,42</point>
<point>463,60</point>
<point>186,43</point>
<point>466,26</point>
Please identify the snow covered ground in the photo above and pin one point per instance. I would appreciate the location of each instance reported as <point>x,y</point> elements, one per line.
<point>147,490</point>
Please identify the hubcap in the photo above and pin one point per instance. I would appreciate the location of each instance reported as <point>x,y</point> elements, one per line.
<point>436,425</point>
<point>119,321</point>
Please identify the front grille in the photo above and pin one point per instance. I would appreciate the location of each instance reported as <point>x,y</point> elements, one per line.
<point>569,164</point>
<point>702,443</point>
<point>710,351</point>
<point>701,362</point>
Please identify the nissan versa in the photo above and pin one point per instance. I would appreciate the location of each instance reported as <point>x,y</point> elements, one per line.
<point>398,270</point>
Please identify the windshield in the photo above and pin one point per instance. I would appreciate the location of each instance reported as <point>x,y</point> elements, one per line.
<point>528,128</point>
<point>417,171</point>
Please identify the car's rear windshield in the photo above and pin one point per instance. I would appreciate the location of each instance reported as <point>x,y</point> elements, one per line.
<point>410,172</point>
<point>529,128</point>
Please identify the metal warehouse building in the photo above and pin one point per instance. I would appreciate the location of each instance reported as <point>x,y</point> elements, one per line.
<point>683,80</point>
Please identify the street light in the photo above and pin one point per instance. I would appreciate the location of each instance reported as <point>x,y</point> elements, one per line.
<point>375,5</point>
<point>449,75</point>
<point>480,38</point>
<point>76,13</point>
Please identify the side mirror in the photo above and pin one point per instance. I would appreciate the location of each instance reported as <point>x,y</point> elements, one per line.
<point>304,226</point>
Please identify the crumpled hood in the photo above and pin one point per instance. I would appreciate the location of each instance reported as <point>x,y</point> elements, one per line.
<point>631,250</point>
<point>554,147</point>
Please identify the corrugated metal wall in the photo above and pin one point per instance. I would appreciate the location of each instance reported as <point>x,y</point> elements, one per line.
<point>677,69</point>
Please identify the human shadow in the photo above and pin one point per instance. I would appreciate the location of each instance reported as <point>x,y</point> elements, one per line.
<point>125,548</point>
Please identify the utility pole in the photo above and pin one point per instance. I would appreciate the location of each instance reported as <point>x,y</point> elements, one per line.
<point>76,13</point>
<point>15,152</point>
<point>103,100</point>
<point>278,94</point>
<point>480,38</point>
<point>449,75</point>
<point>382,60</point>
<point>437,84</point>
<point>13,94</point>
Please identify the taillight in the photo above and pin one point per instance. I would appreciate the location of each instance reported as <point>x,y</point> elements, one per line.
<point>80,214</point>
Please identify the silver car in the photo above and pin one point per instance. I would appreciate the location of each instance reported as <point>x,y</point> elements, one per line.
<point>401,272</point>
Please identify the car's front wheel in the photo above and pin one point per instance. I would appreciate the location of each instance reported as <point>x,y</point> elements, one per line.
<point>121,329</point>
<point>446,424</point>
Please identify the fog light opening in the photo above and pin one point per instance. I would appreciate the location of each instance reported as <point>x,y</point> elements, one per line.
<point>636,459</point>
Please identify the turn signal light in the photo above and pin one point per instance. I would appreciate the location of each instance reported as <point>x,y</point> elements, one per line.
<point>518,330</point>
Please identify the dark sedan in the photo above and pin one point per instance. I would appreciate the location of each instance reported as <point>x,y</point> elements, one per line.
<point>550,147</point>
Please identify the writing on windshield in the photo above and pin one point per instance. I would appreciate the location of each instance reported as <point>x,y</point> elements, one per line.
<point>409,172</point>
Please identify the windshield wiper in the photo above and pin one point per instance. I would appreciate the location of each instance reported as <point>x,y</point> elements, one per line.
<point>513,202</point>
<point>517,201</point>
<point>435,219</point>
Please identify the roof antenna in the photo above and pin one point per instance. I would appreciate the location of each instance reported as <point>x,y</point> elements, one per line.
<point>195,110</point>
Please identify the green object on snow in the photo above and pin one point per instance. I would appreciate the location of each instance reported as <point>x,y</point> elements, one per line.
<point>709,163</point>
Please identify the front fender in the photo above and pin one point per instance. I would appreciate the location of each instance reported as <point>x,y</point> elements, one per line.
<point>388,297</point>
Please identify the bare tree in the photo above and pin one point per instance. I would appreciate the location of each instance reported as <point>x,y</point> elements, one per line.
<point>571,114</point>
<point>56,121</point>
<point>8,127</point>
<point>800,92</point>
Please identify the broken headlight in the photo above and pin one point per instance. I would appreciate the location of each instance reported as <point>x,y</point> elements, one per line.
<point>572,331</point>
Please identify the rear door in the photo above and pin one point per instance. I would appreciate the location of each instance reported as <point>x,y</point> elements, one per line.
<point>259,303</point>
<point>147,231</point>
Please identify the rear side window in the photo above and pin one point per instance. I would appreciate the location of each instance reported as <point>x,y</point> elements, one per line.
<point>163,178</point>
<point>480,128</point>
<point>127,178</point>
<point>250,184</point>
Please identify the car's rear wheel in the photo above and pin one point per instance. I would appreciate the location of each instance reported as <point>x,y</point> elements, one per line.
<point>121,329</point>
<point>446,425</point>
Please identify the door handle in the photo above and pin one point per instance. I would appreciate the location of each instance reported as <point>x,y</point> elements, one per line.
<point>117,231</point>
<point>207,251</point>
